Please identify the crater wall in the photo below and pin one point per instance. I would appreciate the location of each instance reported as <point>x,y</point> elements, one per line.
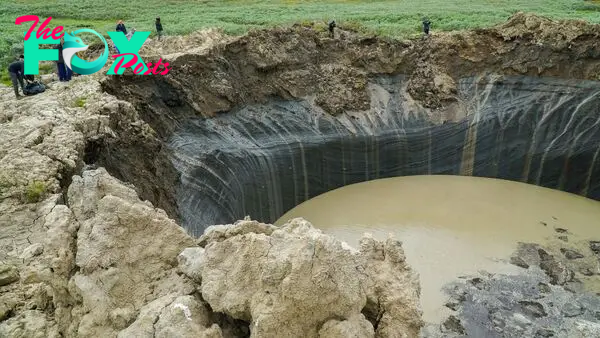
<point>262,160</point>
<point>254,125</point>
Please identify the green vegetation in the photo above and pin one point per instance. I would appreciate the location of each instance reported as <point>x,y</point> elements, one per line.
<point>5,78</point>
<point>79,102</point>
<point>395,18</point>
<point>35,192</point>
<point>47,67</point>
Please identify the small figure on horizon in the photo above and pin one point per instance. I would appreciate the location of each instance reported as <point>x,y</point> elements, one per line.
<point>332,26</point>
<point>159,29</point>
<point>426,25</point>
<point>16,70</point>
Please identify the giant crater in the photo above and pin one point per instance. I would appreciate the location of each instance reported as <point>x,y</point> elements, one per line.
<point>275,118</point>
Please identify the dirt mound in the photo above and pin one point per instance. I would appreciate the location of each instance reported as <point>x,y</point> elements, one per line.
<point>212,73</point>
<point>543,31</point>
<point>525,45</point>
<point>196,42</point>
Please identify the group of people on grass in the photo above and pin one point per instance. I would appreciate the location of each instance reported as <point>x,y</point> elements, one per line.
<point>121,28</point>
<point>16,70</point>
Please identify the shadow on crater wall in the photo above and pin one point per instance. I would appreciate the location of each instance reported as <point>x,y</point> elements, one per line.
<point>263,160</point>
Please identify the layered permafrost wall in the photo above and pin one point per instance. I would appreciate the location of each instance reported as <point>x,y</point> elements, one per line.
<point>263,160</point>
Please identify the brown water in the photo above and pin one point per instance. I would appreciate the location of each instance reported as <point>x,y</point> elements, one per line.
<point>451,226</point>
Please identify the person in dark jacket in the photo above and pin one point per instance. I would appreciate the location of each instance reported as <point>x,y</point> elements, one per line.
<point>121,27</point>
<point>332,26</point>
<point>16,70</point>
<point>60,64</point>
<point>159,29</point>
<point>426,25</point>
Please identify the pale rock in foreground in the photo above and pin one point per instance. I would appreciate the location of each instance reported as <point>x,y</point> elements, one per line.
<point>106,264</point>
<point>172,316</point>
<point>355,327</point>
<point>295,281</point>
<point>286,284</point>
<point>123,258</point>
<point>393,291</point>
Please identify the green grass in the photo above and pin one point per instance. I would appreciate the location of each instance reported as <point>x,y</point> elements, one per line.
<point>394,18</point>
<point>79,102</point>
<point>35,192</point>
<point>5,78</point>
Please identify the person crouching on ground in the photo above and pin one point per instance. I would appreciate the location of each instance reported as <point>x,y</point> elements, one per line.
<point>16,70</point>
<point>159,29</point>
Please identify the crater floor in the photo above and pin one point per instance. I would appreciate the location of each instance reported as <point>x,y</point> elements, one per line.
<point>457,226</point>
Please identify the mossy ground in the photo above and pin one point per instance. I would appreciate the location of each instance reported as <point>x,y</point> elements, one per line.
<point>35,192</point>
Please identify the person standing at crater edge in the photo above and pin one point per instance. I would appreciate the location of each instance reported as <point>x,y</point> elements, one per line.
<point>426,25</point>
<point>332,26</point>
<point>60,63</point>
<point>64,72</point>
<point>159,28</point>
<point>16,70</point>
